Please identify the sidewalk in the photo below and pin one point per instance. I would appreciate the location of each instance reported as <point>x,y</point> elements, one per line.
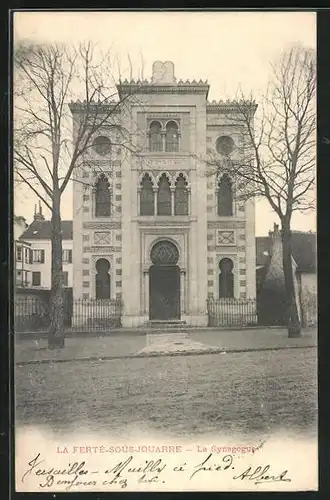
<point>132,345</point>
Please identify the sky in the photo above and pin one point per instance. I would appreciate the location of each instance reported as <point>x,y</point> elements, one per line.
<point>229,49</point>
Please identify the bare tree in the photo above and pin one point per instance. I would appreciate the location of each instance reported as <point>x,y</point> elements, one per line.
<point>45,153</point>
<point>275,155</point>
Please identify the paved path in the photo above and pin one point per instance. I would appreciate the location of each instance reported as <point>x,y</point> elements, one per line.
<point>155,344</point>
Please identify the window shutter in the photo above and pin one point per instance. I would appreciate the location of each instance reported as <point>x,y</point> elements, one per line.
<point>70,256</point>
<point>42,256</point>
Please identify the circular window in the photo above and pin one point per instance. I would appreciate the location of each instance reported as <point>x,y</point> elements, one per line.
<point>102,145</point>
<point>225,145</point>
<point>164,253</point>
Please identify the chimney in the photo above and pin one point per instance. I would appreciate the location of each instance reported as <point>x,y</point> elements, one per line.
<point>38,215</point>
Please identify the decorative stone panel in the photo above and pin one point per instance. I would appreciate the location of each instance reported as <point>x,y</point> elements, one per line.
<point>103,238</point>
<point>226,237</point>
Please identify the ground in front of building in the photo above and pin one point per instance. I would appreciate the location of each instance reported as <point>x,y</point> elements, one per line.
<point>249,392</point>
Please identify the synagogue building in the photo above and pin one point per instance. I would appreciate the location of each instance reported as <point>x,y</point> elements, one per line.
<point>151,225</point>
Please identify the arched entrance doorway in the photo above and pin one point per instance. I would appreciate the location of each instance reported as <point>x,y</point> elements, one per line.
<point>164,282</point>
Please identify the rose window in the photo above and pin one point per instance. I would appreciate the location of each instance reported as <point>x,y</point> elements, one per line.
<point>164,253</point>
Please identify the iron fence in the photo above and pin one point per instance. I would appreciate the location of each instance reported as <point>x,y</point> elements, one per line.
<point>32,314</point>
<point>96,314</point>
<point>232,312</point>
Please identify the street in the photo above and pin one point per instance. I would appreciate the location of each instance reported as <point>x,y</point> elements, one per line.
<point>254,392</point>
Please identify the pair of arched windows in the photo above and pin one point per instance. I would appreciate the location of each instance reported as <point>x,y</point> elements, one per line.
<point>225,196</point>
<point>164,194</point>
<point>167,140</point>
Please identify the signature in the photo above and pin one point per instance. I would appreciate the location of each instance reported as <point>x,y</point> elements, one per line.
<point>261,474</point>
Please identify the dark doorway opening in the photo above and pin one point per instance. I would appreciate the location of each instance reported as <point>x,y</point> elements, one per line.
<point>164,292</point>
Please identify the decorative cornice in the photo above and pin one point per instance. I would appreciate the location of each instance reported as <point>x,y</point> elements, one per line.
<point>101,249</point>
<point>149,82</point>
<point>221,107</point>
<point>232,224</point>
<point>80,106</point>
<point>155,221</point>
<point>101,225</point>
<point>150,88</point>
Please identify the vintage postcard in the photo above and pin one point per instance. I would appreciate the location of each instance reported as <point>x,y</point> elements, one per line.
<point>165,251</point>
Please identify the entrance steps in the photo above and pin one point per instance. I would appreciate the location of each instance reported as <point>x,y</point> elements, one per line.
<point>158,326</point>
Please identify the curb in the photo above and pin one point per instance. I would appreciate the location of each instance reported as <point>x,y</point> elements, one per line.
<point>221,350</point>
<point>147,331</point>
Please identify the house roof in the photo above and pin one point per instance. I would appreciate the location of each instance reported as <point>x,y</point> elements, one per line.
<point>42,230</point>
<point>304,251</point>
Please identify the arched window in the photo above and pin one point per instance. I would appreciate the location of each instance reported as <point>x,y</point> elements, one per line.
<point>102,197</point>
<point>226,278</point>
<point>102,279</point>
<point>164,196</point>
<point>172,137</point>
<point>155,137</point>
<point>181,196</point>
<point>225,196</point>
<point>147,196</point>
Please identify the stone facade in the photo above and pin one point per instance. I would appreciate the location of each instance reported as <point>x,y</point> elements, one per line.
<point>126,238</point>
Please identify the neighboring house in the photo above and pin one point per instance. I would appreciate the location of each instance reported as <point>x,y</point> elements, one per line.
<point>22,253</point>
<point>37,238</point>
<point>270,277</point>
<point>155,230</point>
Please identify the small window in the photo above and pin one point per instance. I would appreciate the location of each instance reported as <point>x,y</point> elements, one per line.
<point>65,278</point>
<point>147,196</point>
<point>67,256</point>
<point>102,197</point>
<point>225,196</point>
<point>155,137</point>
<point>36,278</point>
<point>39,256</point>
<point>172,137</point>
<point>181,196</point>
<point>164,206</point>
<point>19,254</point>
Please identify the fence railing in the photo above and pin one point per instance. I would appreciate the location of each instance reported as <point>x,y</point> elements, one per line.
<point>97,314</point>
<point>232,312</point>
<point>32,314</point>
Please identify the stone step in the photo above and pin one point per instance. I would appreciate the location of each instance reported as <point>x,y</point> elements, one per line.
<point>156,322</point>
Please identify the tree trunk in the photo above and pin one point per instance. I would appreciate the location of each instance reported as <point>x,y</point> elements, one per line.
<point>56,331</point>
<point>293,322</point>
